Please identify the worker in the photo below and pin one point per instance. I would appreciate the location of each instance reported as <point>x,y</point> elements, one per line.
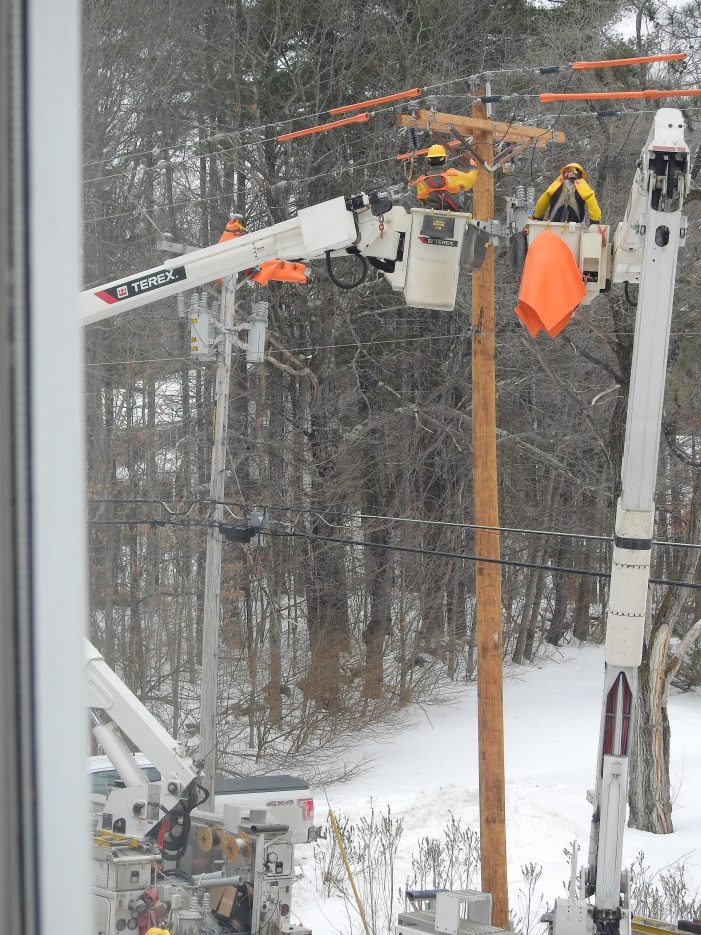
<point>568,196</point>
<point>234,228</point>
<point>440,187</point>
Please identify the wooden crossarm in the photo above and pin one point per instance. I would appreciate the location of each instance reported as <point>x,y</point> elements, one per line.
<point>446,123</point>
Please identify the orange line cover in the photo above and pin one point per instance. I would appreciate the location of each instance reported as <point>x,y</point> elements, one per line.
<point>358,118</point>
<point>400,96</point>
<point>280,271</point>
<point>618,95</point>
<point>551,286</point>
<point>639,60</point>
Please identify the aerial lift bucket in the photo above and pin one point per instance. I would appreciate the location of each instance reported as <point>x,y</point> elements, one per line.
<point>588,245</point>
<point>433,260</point>
<point>551,286</point>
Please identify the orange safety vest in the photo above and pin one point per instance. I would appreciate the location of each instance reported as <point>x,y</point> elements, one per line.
<point>441,189</point>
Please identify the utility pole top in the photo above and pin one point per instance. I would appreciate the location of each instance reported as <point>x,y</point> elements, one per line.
<point>509,132</point>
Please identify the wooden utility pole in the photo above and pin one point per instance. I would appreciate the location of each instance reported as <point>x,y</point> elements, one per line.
<point>482,129</point>
<point>490,703</point>
<point>212,580</point>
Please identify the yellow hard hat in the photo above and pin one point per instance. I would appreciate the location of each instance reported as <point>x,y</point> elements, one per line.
<point>576,166</point>
<point>157,932</point>
<point>437,152</point>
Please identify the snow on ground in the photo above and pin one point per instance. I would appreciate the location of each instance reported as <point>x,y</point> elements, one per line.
<point>551,713</point>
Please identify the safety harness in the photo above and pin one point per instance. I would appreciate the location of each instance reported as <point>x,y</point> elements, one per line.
<point>437,183</point>
<point>568,204</point>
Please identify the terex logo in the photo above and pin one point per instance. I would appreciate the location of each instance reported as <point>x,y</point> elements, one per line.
<point>134,287</point>
<point>440,241</point>
<point>153,282</point>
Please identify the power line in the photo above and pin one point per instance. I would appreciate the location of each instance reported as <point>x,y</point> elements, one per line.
<point>395,519</point>
<point>243,534</point>
<point>459,556</point>
<point>351,168</point>
<point>541,71</point>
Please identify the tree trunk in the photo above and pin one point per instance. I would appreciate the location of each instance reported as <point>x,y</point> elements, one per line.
<point>535,555</point>
<point>649,791</point>
<point>558,624</point>
<point>581,610</point>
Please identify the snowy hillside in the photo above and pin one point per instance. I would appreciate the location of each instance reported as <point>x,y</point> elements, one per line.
<point>551,723</point>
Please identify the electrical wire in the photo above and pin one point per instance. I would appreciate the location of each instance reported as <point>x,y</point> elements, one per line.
<point>434,553</point>
<point>552,125</point>
<point>630,130</point>
<point>541,71</point>
<point>321,511</point>
<point>459,556</point>
<point>231,194</point>
<point>317,347</point>
<point>351,168</point>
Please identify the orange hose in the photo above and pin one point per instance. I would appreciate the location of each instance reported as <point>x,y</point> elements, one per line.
<point>400,96</point>
<point>358,118</point>
<point>618,95</point>
<point>640,60</point>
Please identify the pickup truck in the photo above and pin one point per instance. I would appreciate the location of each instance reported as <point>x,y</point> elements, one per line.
<point>245,793</point>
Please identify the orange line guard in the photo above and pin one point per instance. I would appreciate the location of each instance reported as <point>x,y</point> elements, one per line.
<point>400,96</point>
<point>640,60</point>
<point>618,95</point>
<point>358,118</point>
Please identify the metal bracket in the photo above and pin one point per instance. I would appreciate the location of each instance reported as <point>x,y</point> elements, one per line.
<point>494,228</point>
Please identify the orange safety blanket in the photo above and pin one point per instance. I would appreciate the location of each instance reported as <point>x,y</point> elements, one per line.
<point>280,271</point>
<point>551,286</point>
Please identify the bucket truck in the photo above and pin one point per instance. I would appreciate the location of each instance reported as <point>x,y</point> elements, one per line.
<point>148,865</point>
<point>645,248</point>
<point>419,252</point>
<point>156,858</point>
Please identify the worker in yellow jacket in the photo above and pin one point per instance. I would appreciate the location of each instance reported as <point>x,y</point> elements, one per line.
<point>440,187</point>
<point>568,196</point>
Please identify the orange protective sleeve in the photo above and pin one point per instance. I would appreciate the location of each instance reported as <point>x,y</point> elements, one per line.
<point>639,60</point>
<point>651,94</point>
<point>358,118</point>
<point>400,96</point>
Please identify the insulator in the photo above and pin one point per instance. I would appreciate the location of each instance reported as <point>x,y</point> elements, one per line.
<point>260,311</point>
<point>180,305</point>
<point>520,195</point>
<point>530,197</point>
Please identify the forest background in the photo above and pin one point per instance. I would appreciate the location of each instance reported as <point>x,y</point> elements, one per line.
<point>358,424</point>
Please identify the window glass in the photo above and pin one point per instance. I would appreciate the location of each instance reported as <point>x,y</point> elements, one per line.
<point>103,780</point>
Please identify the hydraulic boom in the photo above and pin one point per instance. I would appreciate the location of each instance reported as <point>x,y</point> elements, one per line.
<point>645,250</point>
<point>419,252</point>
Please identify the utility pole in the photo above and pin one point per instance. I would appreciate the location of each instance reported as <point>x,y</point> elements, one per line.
<point>212,581</point>
<point>490,702</point>
<point>478,132</point>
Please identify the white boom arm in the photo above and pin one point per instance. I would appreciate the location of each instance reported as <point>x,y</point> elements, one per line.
<point>326,227</point>
<point>135,804</point>
<point>646,245</point>
<point>420,253</point>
